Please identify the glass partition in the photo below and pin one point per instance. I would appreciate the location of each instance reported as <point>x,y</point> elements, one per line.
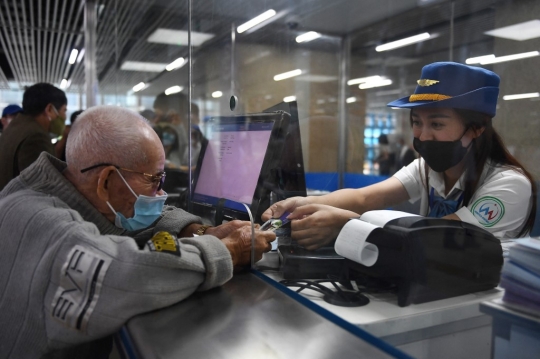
<point>192,68</point>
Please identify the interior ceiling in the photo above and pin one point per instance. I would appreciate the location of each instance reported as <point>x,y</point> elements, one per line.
<point>37,36</point>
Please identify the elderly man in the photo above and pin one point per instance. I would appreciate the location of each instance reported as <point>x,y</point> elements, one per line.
<point>88,244</point>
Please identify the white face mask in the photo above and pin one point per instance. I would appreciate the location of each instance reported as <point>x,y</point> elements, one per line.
<point>147,210</point>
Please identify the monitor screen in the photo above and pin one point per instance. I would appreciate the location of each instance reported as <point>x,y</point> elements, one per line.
<point>241,154</point>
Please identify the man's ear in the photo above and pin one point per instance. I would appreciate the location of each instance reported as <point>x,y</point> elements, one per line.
<point>49,111</point>
<point>103,185</point>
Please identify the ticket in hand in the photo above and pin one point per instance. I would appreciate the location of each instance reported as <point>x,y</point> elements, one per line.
<point>274,223</point>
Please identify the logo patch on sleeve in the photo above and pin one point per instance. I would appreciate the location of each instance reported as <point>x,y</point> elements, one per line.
<point>80,285</point>
<point>488,211</point>
<point>164,242</point>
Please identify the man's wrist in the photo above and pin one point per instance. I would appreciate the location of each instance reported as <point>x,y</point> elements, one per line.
<point>201,230</point>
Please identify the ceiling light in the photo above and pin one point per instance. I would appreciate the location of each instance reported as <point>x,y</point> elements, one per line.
<point>523,31</point>
<point>521,95</point>
<point>174,89</point>
<point>308,36</point>
<point>178,37</point>
<point>256,21</point>
<point>176,64</point>
<point>363,79</point>
<point>138,87</point>
<point>63,84</point>
<point>368,85</point>
<point>217,94</point>
<point>73,56</point>
<point>81,54</point>
<point>143,66</point>
<point>479,59</point>
<point>350,100</point>
<point>287,75</point>
<point>523,55</point>
<point>403,42</point>
<point>317,78</point>
<point>289,99</point>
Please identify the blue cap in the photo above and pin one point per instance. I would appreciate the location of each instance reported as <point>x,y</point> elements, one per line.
<point>11,110</point>
<point>450,84</point>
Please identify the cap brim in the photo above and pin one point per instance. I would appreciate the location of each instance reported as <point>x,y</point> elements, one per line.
<point>479,100</point>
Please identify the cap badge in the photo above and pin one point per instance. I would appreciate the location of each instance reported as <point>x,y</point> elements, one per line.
<point>426,82</point>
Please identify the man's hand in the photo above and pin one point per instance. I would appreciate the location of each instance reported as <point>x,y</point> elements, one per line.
<point>287,205</point>
<point>315,225</point>
<point>238,242</point>
<point>226,229</point>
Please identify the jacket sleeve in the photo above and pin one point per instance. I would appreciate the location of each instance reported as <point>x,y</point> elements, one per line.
<point>99,282</point>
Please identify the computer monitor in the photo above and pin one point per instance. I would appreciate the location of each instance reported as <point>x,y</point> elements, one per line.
<point>292,177</point>
<point>239,164</point>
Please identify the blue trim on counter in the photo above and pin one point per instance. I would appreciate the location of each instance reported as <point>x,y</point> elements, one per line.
<point>351,328</point>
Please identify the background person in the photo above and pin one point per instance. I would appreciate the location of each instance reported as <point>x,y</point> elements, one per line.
<point>465,172</point>
<point>23,141</point>
<point>93,245</point>
<point>8,114</point>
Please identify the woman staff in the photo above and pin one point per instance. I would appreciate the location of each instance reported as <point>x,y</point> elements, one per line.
<point>465,172</point>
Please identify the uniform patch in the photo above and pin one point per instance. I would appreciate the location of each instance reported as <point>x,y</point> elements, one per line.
<point>80,284</point>
<point>488,211</point>
<point>164,242</point>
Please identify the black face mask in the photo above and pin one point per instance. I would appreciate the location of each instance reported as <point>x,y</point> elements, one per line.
<point>441,155</point>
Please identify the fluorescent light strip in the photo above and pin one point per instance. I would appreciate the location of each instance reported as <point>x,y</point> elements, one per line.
<point>81,54</point>
<point>521,95</point>
<point>73,56</point>
<point>523,55</point>
<point>372,84</point>
<point>308,36</point>
<point>287,75</point>
<point>173,89</point>
<point>403,42</point>
<point>256,21</point>
<point>138,87</point>
<point>479,59</point>
<point>176,64</point>
<point>350,100</point>
<point>217,94</point>
<point>364,79</point>
<point>289,99</point>
<point>63,84</point>
<point>520,32</point>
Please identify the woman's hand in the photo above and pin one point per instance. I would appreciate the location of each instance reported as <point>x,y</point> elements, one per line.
<point>315,225</point>
<point>287,205</point>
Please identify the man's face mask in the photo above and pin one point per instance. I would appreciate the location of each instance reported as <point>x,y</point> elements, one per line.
<point>441,155</point>
<point>147,210</point>
<point>58,124</point>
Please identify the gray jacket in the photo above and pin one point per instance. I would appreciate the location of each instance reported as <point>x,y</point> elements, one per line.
<point>68,276</point>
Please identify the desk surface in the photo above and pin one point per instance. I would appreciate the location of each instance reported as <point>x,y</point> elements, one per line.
<point>383,317</point>
<point>245,318</point>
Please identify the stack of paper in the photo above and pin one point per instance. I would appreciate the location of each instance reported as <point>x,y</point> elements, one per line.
<point>521,276</point>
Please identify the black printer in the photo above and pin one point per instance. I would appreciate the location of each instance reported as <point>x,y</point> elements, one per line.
<point>426,259</point>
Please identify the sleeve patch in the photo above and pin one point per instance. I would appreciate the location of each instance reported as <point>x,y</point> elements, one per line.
<point>164,242</point>
<point>80,285</point>
<point>488,211</point>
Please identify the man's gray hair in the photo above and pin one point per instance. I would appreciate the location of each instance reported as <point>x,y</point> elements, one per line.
<point>106,134</point>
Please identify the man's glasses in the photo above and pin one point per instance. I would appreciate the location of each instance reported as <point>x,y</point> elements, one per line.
<point>159,178</point>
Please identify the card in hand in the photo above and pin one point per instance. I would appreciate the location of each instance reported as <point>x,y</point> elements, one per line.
<point>275,223</point>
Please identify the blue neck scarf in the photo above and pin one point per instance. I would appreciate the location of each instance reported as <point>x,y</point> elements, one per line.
<point>440,207</point>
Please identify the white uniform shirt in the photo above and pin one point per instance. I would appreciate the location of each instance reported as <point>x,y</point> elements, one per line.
<point>501,204</point>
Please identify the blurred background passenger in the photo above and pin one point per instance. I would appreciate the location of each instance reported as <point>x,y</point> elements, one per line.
<point>8,114</point>
<point>172,110</point>
<point>386,158</point>
<point>44,110</point>
<point>149,115</point>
